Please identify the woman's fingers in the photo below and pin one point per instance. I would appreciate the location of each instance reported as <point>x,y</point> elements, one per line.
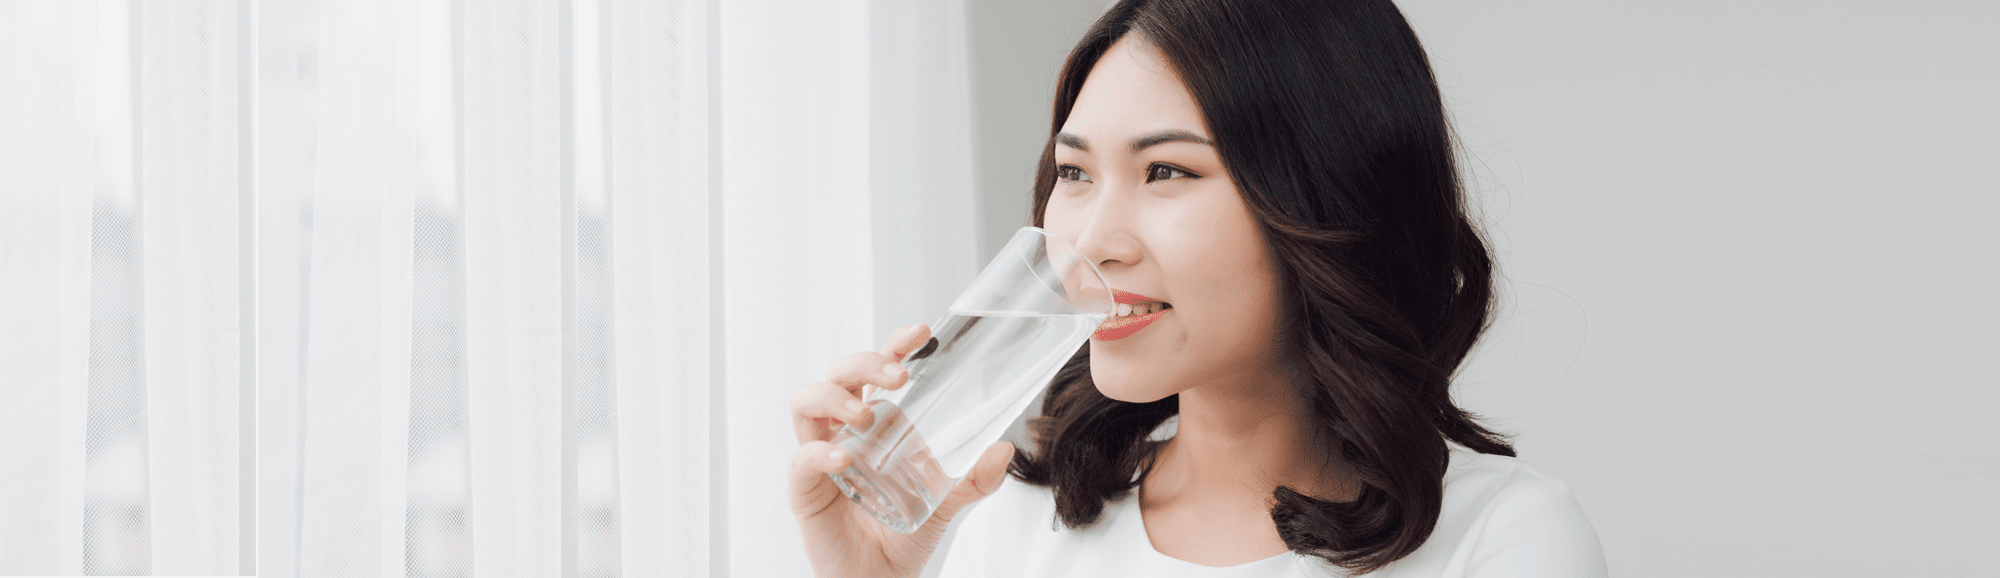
<point>880,369</point>
<point>867,368</point>
<point>812,492</point>
<point>816,407</point>
<point>906,341</point>
<point>820,408</point>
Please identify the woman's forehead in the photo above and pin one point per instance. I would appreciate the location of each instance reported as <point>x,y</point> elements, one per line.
<point>1132,90</point>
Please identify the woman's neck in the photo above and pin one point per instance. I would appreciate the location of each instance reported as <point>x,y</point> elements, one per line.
<point>1208,498</point>
<point>1243,440</point>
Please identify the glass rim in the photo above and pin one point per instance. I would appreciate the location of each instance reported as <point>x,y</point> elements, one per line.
<point>1110,299</point>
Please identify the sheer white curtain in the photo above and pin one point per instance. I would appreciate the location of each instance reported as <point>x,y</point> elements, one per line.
<point>452,288</point>
<point>124,401</point>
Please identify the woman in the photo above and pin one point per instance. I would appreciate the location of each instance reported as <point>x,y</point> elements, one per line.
<point>1274,182</point>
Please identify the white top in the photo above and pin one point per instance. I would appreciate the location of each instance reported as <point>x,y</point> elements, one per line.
<point>1501,518</point>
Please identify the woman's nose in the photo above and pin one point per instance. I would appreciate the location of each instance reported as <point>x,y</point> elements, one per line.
<point>1108,236</point>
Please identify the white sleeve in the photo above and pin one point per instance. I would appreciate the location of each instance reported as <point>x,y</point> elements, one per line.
<point>1538,531</point>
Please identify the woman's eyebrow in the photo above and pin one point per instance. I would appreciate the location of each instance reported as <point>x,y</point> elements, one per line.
<point>1167,136</point>
<point>1072,141</point>
<point>1138,144</point>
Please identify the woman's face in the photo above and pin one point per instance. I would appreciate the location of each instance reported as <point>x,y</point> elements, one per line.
<point>1140,190</point>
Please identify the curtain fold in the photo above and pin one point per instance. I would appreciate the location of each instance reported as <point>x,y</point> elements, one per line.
<point>188,203</point>
<point>655,98</point>
<point>45,296</point>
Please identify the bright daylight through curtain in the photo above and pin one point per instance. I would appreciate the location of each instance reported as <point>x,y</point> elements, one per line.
<point>441,288</point>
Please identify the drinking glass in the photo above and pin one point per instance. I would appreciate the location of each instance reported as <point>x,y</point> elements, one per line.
<point>992,352</point>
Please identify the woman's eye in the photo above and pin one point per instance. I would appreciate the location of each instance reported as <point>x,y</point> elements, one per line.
<point>1071,173</point>
<point>1159,172</point>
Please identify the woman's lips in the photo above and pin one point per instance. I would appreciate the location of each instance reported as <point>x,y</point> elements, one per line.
<point>1119,327</point>
<point>1130,298</point>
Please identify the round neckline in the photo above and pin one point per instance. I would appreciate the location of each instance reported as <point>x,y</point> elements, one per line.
<point>1138,519</point>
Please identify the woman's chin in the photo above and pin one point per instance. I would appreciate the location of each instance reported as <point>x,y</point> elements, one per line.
<point>1128,389</point>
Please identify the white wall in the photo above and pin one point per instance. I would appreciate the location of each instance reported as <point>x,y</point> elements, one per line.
<point>1018,46</point>
<point>1748,257</point>
<point>1748,277</point>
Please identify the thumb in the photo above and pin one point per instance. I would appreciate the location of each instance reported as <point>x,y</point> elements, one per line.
<point>986,477</point>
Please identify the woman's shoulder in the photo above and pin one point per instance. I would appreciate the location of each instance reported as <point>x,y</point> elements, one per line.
<point>1503,517</point>
<point>1493,475</point>
<point>1486,485</point>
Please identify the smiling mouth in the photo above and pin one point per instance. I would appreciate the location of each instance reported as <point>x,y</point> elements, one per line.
<point>1133,312</point>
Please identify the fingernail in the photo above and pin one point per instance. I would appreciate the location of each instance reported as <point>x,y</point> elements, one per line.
<point>836,455</point>
<point>892,368</point>
<point>856,406</point>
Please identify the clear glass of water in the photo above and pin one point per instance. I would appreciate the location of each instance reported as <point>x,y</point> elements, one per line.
<point>992,353</point>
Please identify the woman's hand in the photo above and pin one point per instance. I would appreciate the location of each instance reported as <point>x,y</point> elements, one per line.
<point>841,539</point>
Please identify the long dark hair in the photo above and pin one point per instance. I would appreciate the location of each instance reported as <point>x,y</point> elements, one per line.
<point>1328,117</point>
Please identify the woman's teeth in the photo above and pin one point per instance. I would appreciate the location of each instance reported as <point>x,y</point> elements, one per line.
<point>1128,309</point>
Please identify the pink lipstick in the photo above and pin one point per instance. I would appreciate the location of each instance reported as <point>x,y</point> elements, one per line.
<point>1121,326</point>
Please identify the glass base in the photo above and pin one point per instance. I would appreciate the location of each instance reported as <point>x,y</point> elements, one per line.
<point>894,477</point>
